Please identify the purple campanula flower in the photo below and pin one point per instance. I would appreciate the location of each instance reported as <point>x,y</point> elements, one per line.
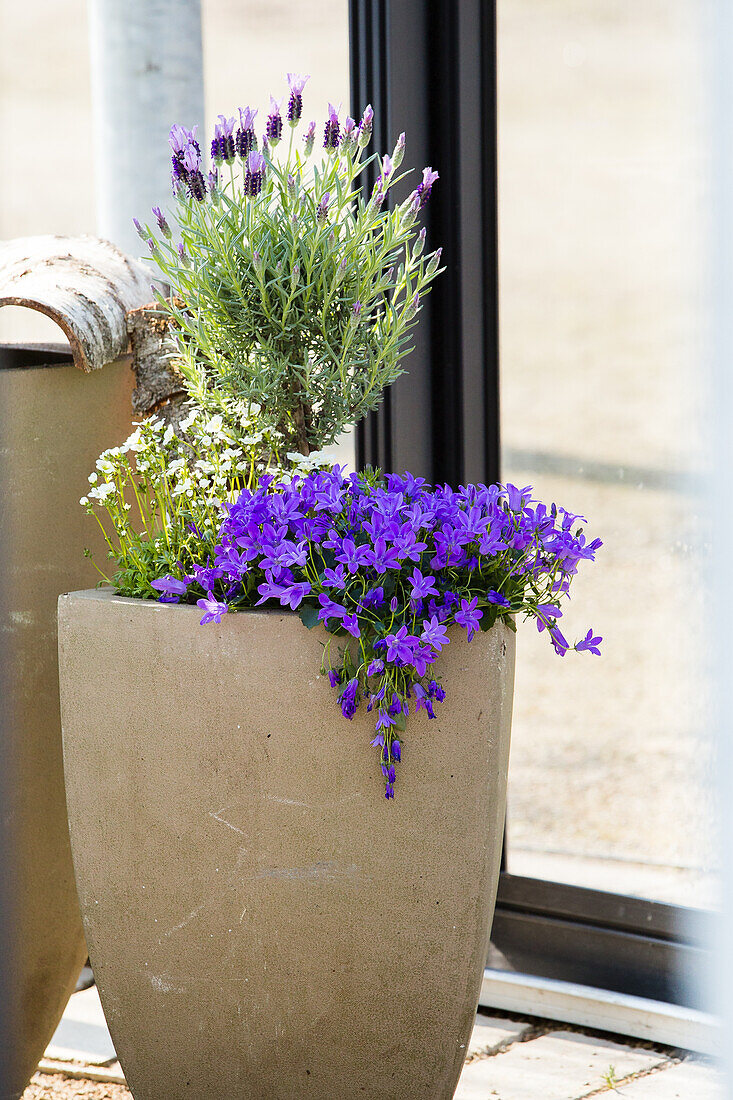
<point>434,633</point>
<point>322,211</point>
<point>171,589</point>
<point>213,609</point>
<point>435,691</point>
<point>377,742</point>
<point>389,791</point>
<point>590,644</point>
<point>496,597</point>
<point>162,223</point>
<point>351,624</point>
<point>384,721</point>
<point>559,643</point>
<point>422,587</point>
<point>274,127</point>
<point>309,138</point>
<point>295,102</point>
<point>400,646</point>
<point>365,127</point>
<point>352,556</point>
<point>349,698</point>
<point>469,616</point>
<point>374,597</point>
<point>545,613</point>
<point>332,131</point>
<point>246,139</point>
<point>423,701</point>
<point>334,678</point>
<point>375,667</point>
<point>330,609</point>
<point>393,604</point>
<point>396,750</point>
<point>254,174</point>
<point>336,578</point>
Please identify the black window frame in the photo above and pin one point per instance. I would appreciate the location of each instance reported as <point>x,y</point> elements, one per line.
<point>430,66</point>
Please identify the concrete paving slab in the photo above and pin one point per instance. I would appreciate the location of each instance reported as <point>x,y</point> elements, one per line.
<point>491,1032</point>
<point>558,1066</point>
<point>82,1035</point>
<point>690,1080</point>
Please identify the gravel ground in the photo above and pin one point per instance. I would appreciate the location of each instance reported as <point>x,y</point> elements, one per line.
<point>56,1085</point>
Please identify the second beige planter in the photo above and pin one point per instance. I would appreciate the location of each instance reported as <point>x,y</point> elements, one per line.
<point>261,921</point>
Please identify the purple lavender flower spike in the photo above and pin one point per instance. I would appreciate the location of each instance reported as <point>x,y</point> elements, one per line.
<point>295,102</point>
<point>246,139</point>
<point>423,189</point>
<point>162,223</point>
<point>365,127</point>
<point>332,132</point>
<point>274,127</point>
<point>141,231</point>
<point>322,211</point>
<point>222,144</point>
<point>309,139</point>
<point>398,152</point>
<point>254,174</point>
<point>182,254</point>
<point>349,135</point>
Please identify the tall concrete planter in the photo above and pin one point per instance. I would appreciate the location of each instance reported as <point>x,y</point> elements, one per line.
<point>54,420</point>
<point>261,922</point>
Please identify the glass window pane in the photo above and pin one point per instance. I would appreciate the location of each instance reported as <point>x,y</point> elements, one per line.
<point>600,215</point>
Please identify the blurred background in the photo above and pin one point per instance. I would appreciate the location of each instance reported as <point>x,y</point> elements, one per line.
<point>602,206</point>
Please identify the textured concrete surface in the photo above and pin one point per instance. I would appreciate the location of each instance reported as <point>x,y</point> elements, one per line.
<point>252,904</point>
<point>45,466</point>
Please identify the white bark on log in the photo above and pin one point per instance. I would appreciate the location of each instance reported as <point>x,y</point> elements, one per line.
<point>86,285</point>
<point>160,388</point>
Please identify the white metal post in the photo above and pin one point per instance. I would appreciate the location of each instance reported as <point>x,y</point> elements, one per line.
<point>147,73</point>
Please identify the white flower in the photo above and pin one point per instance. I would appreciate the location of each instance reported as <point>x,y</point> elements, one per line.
<point>84,500</point>
<point>134,441</point>
<point>169,434</point>
<point>101,492</point>
<point>215,425</point>
<point>190,420</point>
<point>93,479</point>
<point>176,465</point>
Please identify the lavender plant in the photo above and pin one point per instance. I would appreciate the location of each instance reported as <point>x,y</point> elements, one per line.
<point>292,290</point>
<point>389,566</point>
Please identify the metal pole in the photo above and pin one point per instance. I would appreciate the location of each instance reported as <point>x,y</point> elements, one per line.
<point>147,73</point>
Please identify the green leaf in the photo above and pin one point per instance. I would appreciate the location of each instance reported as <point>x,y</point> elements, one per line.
<point>309,616</point>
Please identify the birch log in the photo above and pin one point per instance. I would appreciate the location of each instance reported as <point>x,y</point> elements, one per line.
<point>86,285</point>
